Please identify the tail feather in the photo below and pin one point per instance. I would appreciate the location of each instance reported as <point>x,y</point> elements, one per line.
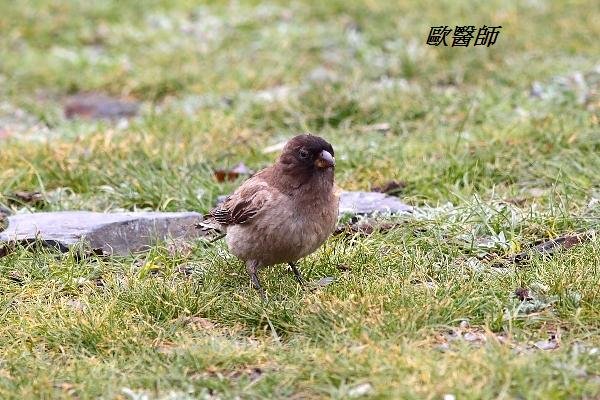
<point>211,228</point>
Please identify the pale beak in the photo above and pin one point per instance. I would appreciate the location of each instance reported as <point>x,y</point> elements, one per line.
<point>325,160</point>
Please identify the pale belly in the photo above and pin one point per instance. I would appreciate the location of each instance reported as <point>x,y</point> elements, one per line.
<point>284,237</point>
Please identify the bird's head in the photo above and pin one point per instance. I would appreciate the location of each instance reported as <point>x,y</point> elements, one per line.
<point>307,155</point>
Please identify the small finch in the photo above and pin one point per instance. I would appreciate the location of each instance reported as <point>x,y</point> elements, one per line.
<point>284,212</point>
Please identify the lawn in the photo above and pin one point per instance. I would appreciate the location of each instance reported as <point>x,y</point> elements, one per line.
<point>498,147</point>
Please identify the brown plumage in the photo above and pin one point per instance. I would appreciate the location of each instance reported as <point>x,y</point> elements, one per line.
<point>284,212</point>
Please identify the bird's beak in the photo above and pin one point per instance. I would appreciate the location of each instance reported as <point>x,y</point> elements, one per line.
<point>325,160</point>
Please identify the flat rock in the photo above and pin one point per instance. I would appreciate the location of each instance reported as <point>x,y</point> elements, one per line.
<point>366,203</point>
<point>109,233</point>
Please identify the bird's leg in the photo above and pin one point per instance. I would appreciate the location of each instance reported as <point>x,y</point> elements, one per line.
<point>252,268</point>
<point>297,273</point>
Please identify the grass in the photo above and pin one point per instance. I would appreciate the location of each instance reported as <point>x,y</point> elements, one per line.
<point>493,168</point>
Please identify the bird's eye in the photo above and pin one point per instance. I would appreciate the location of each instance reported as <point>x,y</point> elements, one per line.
<point>304,153</point>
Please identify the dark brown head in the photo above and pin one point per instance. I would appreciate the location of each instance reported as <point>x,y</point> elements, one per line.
<point>307,153</point>
<point>305,157</point>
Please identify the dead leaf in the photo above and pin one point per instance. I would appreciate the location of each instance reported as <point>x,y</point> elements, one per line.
<point>16,277</point>
<point>522,294</point>
<point>99,106</point>
<point>99,282</point>
<point>6,249</point>
<point>517,201</point>
<point>186,269</point>
<point>232,174</point>
<point>32,198</point>
<point>391,187</point>
<point>67,387</point>
<point>252,373</point>
<point>547,248</point>
<point>343,267</point>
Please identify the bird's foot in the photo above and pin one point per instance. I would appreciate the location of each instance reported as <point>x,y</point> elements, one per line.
<point>252,269</point>
<point>297,274</point>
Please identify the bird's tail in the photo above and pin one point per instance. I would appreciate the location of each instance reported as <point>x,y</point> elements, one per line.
<point>211,229</point>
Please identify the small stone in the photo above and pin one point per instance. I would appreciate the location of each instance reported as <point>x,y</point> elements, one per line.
<point>474,337</point>
<point>76,304</point>
<point>547,345</point>
<point>328,280</point>
<point>80,281</point>
<point>443,347</point>
<point>536,90</point>
<point>135,394</point>
<point>360,390</point>
<point>366,203</point>
<point>322,74</point>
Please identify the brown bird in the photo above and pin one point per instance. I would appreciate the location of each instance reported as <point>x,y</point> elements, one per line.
<point>284,212</point>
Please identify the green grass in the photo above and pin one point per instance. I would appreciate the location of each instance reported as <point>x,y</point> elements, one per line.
<point>494,169</point>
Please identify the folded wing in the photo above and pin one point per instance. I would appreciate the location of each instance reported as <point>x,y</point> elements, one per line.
<point>244,204</point>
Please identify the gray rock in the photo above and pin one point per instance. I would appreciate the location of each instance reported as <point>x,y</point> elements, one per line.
<point>365,203</point>
<point>110,233</point>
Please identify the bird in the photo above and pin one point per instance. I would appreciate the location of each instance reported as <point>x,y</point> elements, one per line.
<point>284,212</point>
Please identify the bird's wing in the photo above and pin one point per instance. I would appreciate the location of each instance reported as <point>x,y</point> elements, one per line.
<point>244,204</point>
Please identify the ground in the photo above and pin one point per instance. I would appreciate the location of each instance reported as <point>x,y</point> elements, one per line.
<point>499,146</point>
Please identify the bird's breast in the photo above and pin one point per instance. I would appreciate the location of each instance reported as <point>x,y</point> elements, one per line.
<point>285,233</point>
